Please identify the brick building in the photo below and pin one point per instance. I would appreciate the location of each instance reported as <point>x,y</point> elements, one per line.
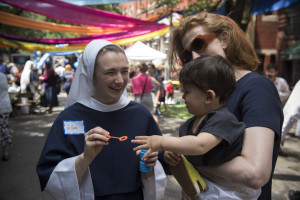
<point>274,33</point>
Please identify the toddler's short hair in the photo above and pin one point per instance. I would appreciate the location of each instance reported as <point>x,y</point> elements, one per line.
<point>210,72</point>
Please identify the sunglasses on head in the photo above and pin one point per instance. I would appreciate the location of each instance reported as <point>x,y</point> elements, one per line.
<point>198,45</point>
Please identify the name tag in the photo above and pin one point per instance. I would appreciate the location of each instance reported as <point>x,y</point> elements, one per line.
<point>75,127</point>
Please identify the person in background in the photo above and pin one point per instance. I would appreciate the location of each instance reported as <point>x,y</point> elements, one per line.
<point>162,98</point>
<point>13,71</point>
<point>213,135</point>
<point>59,67</point>
<point>3,67</point>
<point>132,71</point>
<point>18,74</point>
<point>170,92</point>
<point>255,100</point>
<point>49,81</point>
<point>282,88</point>
<point>280,83</point>
<point>67,78</point>
<point>291,112</point>
<point>25,77</point>
<point>11,67</point>
<point>156,92</point>
<point>26,85</point>
<point>79,149</point>
<point>5,110</point>
<point>142,89</point>
<point>34,80</point>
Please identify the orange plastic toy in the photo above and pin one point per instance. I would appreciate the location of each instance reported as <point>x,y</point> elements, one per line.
<point>119,138</point>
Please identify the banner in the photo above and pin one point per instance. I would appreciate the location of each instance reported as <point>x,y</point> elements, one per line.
<point>84,39</point>
<point>79,14</point>
<point>23,22</point>
<point>75,47</point>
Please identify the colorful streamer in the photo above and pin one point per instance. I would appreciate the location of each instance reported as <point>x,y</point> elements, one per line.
<point>79,14</point>
<point>121,30</point>
<point>39,47</point>
<point>96,2</point>
<point>84,39</point>
<point>161,32</point>
<point>23,22</point>
<point>75,47</point>
<point>156,17</point>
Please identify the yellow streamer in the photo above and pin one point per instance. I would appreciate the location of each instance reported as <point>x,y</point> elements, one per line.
<point>40,47</point>
<point>142,37</point>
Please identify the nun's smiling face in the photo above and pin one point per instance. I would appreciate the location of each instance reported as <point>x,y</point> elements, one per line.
<point>111,77</point>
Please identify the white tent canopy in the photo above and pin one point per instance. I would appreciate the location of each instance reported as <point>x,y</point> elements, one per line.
<point>140,51</point>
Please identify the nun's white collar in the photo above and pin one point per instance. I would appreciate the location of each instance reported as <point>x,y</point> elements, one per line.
<point>96,105</point>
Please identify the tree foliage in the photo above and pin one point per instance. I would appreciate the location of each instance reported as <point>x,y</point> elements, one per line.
<point>238,10</point>
<point>203,6</point>
<point>167,4</point>
<point>113,7</point>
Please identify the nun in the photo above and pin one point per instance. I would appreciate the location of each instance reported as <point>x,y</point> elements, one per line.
<point>80,159</point>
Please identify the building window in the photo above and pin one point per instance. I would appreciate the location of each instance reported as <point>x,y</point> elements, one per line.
<point>269,17</point>
<point>293,21</point>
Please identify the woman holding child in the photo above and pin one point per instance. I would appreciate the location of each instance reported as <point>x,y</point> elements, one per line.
<point>255,100</point>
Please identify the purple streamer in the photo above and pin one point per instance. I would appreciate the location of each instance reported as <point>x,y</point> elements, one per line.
<point>84,39</point>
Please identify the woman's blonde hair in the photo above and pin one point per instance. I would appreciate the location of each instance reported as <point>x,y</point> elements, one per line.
<point>239,51</point>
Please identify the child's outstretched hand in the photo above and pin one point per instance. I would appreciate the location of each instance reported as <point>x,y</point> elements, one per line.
<point>152,143</point>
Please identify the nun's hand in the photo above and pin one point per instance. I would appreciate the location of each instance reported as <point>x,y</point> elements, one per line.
<point>95,139</point>
<point>171,158</point>
<point>150,159</point>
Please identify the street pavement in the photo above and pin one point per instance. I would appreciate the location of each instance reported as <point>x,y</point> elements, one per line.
<point>19,181</point>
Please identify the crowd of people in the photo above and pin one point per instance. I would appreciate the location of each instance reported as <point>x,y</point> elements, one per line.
<point>239,121</point>
<point>45,83</point>
<point>24,78</point>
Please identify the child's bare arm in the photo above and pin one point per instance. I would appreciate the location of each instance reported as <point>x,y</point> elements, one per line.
<point>187,145</point>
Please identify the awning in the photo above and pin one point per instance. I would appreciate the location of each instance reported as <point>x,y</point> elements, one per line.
<point>259,6</point>
<point>141,51</point>
<point>292,53</point>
